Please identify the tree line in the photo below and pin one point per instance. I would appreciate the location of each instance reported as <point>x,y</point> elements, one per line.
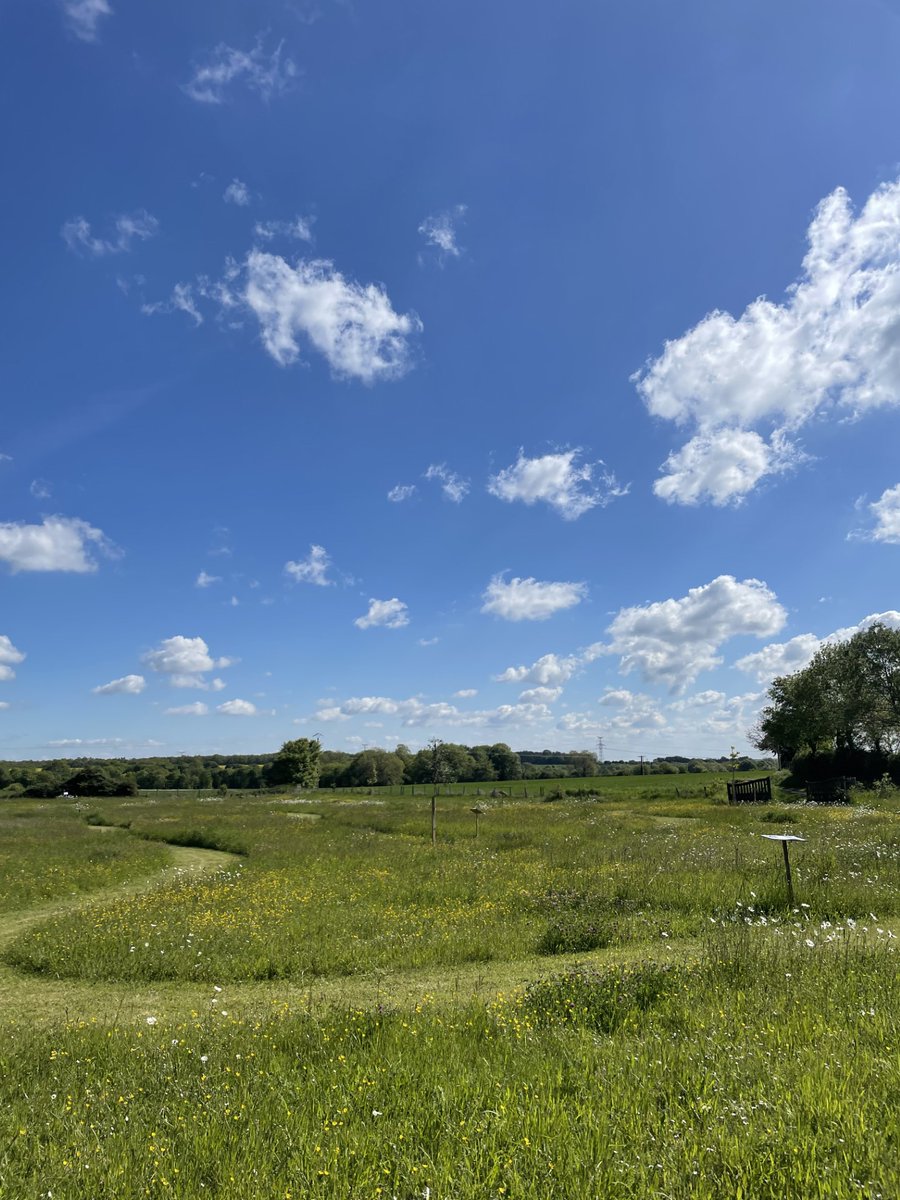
<point>302,762</point>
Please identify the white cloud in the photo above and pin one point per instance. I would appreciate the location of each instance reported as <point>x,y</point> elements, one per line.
<point>300,228</point>
<point>57,544</point>
<point>432,641</point>
<point>465,693</point>
<point>555,479</point>
<point>886,511</point>
<point>84,16</point>
<point>550,670</point>
<point>403,491</point>
<point>312,569</point>
<point>181,300</point>
<point>673,641</point>
<point>9,657</point>
<point>540,695</point>
<point>722,467</point>
<point>352,325</point>
<point>633,710</point>
<point>4,704</point>
<point>529,599</point>
<point>439,231</point>
<point>237,193</point>
<point>128,685</point>
<point>392,614</point>
<point>266,74</point>
<point>783,658</point>
<point>415,712</point>
<point>237,708</point>
<point>831,344</point>
<point>185,660</point>
<point>453,486</point>
<point>197,709</point>
<point>127,228</point>
<point>205,581</point>
<point>40,489</point>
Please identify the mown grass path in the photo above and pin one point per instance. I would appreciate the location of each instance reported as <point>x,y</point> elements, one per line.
<point>42,1000</point>
<point>28,997</point>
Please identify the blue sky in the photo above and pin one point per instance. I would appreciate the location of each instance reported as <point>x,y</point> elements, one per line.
<point>478,370</point>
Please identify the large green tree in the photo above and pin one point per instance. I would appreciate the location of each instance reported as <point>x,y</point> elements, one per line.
<point>296,763</point>
<point>846,701</point>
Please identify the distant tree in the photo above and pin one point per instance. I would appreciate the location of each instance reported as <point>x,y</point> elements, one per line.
<point>373,768</point>
<point>296,763</point>
<point>506,762</point>
<point>96,781</point>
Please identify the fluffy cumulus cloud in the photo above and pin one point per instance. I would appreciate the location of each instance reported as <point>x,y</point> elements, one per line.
<point>353,325</point>
<point>886,512</point>
<point>550,670</point>
<point>127,229</point>
<point>84,16</point>
<point>631,710</point>
<point>440,232</point>
<point>722,467</point>
<point>237,708</point>
<point>312,569</point>
<point>128,685</point>
<point>237,193</point>
<point>10,657</point>
<point>530,599</point>
<point>832,344</point>
<point>558,480</point>
<point>673,641</point>
<point>783,658</point>
<point>186,662</point>
<point>392,614</point>
<point>57,544</point>
<point>453,486</point>
<point>416,712</point>
<point>267,74</point>
<point>197,709</point>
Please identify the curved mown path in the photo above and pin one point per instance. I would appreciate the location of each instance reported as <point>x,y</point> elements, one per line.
<point>42,1000</point>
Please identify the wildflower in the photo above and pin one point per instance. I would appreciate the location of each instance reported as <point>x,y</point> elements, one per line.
<point>204,1058</point>
<point>151,1020</point>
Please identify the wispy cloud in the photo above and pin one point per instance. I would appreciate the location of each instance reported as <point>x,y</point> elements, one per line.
<point>440,232</point>
<point>300,229</point>
<point>237,193</point>
<point>84,16</point>
<point>127,228</point>
<point>403,491</point>
<point>453,486</point>
<point>267,74</point>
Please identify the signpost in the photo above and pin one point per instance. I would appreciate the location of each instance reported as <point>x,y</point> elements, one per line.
<point>784,838</point>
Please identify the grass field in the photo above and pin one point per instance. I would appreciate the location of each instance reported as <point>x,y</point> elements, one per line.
<point>297,996</point>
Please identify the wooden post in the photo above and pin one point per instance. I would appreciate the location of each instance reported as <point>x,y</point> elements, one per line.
<point>434,817</point>
<point>787,873</point>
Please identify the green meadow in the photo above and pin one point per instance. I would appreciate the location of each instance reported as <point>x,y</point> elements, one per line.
<point>597,992</point>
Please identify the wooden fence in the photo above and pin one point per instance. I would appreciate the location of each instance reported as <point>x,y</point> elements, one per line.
<point>750,791</point>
